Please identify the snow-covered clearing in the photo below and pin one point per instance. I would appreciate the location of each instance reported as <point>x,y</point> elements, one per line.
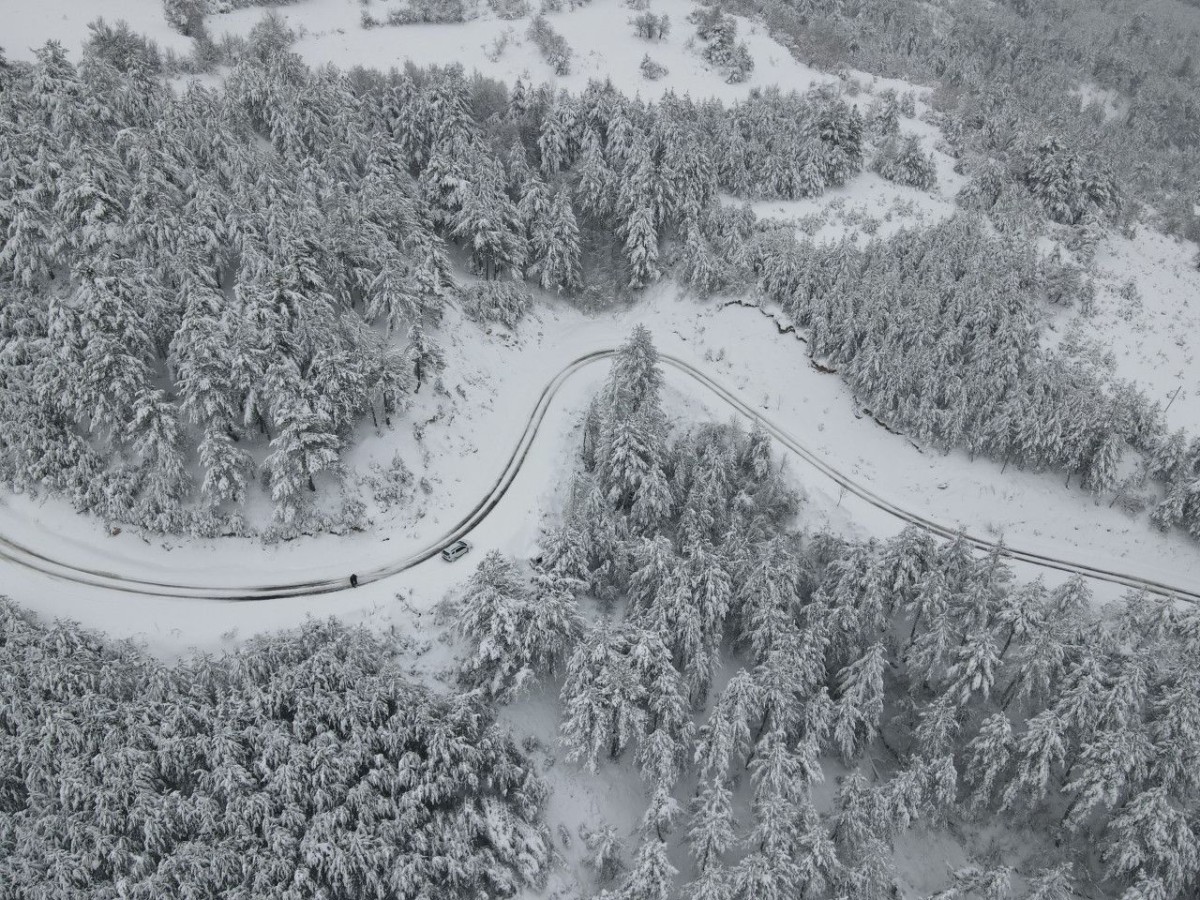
<point>1151,331</point>
<point>599,34</point>
<point>28,26</point>
<point>492,382</point>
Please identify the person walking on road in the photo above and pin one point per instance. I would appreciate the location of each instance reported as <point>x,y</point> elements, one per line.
<point>353,581</point>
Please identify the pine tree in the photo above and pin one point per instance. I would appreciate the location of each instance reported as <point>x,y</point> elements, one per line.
<point>727,736</point>
<point>490,616</point>
<point>641,247</point>
<point>1039,755</point>
<point>975,665</point>
<point>1054,883</point>
<point>557,265</point>
<point>929,599</point>
<point>1174,722</point>
<point>602,700</point>
<point>605,849</point>
<point>766,599</point>
<point>304,446</point>
<point>594,186</point>
<point>631,454</point>
<point>489,223</point>
<point>1111,766</point>
<point>424,354</point>
<point>1150,837</point>
<point>554,624</point>
<point>711,828</point>
<point>859,706</point>
<point>652,875</point>
<point>635,379</point>
<point>938,727</point>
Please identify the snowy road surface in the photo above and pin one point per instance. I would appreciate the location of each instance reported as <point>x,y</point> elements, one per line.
<point>63,569</point>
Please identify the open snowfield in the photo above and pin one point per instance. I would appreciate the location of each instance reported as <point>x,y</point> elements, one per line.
<point>1153,331</point>
<point>599,33</point>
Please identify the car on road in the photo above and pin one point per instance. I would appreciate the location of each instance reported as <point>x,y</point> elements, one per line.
<point>455,550</point>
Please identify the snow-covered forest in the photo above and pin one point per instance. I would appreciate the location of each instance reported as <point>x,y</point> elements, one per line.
<point>304,765</point>
<point>739,664</point>
<point>806,392</point>
<point>214,288</point>
<point>226,282</point>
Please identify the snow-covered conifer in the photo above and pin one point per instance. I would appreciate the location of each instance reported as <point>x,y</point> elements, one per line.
<point>602,699</point>
<point>859,706</point>
<point>991,750</point>
<point>1038,756</point>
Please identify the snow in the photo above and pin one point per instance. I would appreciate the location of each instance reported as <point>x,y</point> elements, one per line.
<point>27,26</point>
<point>1152,338</point>
<point>470,429</point>
<point>599,33</point>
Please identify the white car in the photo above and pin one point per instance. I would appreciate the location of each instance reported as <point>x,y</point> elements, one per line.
<point>455,550</point>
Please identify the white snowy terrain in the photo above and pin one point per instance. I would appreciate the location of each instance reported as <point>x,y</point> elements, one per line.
<point>1027,689</point>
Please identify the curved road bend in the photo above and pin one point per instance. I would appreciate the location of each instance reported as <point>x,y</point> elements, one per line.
<point>57,568</point>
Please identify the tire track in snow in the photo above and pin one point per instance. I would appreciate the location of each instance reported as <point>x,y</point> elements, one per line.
<point>14,552</point>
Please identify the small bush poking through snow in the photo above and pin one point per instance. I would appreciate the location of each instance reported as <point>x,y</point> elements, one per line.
<point>505,302</point>
<point>552,45</point>
<point>904,162</point>
<point>651,70</point>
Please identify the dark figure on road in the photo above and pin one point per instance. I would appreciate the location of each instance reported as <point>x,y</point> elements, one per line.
<point>353,581</point>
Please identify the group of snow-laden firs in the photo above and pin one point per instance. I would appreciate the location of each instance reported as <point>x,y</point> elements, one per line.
<point>738,662</point>
<point>205,292</point>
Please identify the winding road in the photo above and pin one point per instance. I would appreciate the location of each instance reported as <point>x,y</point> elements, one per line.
<point>15,553</point>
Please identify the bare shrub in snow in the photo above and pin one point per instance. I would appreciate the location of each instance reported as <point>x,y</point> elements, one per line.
<point>553,46</point>
<point>433,11</point>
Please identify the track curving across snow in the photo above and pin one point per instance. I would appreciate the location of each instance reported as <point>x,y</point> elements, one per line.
<point>14,552</point>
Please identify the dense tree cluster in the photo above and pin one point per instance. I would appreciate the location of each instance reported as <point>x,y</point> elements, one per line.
<point>1018,82</point>
<point>944,686</point>
<point>214,282</point>
<point>904,162</point>
<point>718,34</point>
<point>1176,461</point>
<point>303,765</point>
<point>515,633</point>
<point>182,275</point>
<point>937,333</point>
